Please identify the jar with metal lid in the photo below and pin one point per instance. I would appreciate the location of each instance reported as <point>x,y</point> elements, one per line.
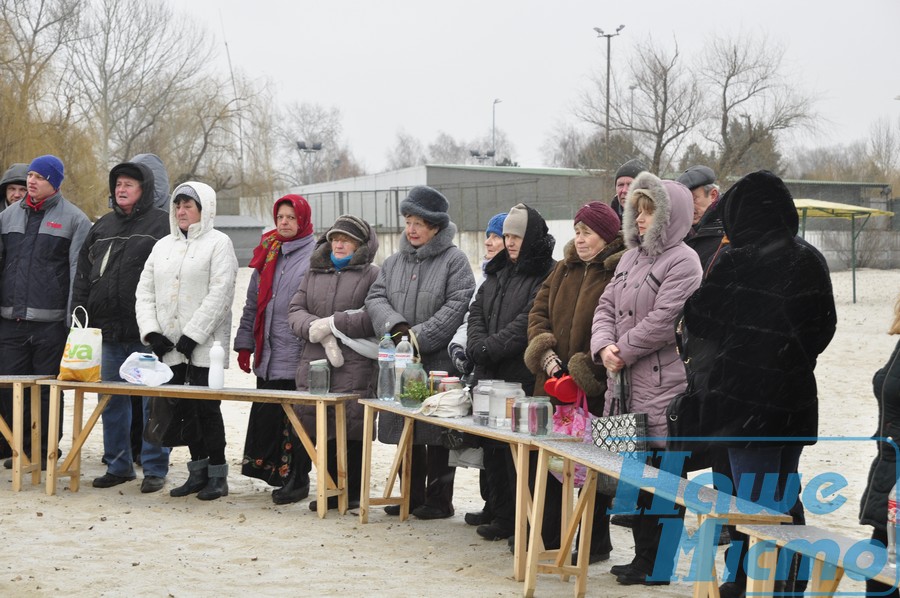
<point>449,383</point>
<point>434,380</point>
<point>319,377</point>
<point>481,401</point>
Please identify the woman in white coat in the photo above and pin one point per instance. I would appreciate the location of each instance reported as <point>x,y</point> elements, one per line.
<point>183,306</point>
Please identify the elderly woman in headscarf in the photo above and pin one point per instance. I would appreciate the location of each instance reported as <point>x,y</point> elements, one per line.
<point>267,347</point>
<point>559,340</point>
<point>329,301</point>
<point>425,288</point>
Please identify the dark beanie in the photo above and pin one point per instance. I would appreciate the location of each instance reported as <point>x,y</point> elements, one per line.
<point>353,227</point>
<point>697,176</point>
<point>185,190</point>
<point>632,168</point>
<point>601,219</point>
<point>428,204</point>
<point>49,167</point>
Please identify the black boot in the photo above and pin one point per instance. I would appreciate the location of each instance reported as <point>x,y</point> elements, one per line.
<point>295,489</point>
<point>217,487</point>
<point>198,477</point>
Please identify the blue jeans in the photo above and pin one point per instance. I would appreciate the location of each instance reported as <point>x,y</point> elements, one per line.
<point>117,421</point>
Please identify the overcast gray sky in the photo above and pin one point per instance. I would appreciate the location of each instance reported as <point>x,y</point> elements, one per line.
<point>426,67</point>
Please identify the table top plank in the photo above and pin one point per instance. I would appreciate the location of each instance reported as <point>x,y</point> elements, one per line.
<point>784,534</point>
<point>465,424</point>
<point>695,497</point>
<point>26,379</point>
<point>181,391</point>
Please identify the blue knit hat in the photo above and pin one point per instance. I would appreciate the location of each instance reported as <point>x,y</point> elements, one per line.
<point>49,167</point>
<point>495,225</point>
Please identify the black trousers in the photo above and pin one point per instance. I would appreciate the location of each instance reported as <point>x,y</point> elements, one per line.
<point>28,348</point>
<point>431,478</point>
<point>650,554</point>
<point>211,443</point>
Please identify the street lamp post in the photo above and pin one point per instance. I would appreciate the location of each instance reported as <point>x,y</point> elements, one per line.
<point>308,151</point>
<point>494,130</point>
<point>608,37</point>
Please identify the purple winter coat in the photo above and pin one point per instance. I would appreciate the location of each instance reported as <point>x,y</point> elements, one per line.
<point>638,308</point>
<point>325,292</point>
<point>281,352</point>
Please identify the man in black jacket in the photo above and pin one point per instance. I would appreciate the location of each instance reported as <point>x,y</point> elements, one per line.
<point>705,236</point>
<point>109,268</point>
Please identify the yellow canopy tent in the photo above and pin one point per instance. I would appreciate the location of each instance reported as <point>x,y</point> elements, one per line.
<point>816,208</point>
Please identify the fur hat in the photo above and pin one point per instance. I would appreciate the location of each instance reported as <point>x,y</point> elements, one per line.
<point>351,226</point>
<point>185,190</point>
<point>601,219</point>
<point>495,225</point>
<point>516,222</point>
<point>697,176</point>
<point>49,167</point>
<point>428,204</point>
<point>631,168</point>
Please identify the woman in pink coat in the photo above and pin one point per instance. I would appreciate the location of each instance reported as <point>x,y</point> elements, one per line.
<point>633,333</point>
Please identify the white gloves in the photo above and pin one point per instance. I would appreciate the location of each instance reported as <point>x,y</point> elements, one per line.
<point>332,349</point>
<point>319,329</point>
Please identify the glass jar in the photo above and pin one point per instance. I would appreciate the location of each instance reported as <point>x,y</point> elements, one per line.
<point>503,396</point>
<point>319,377</point>
<point>413,385</point>
<point>434,380</point>
<point>540,416</point>
<point>519,420</point>
<point>449,383</point>
<point>481,401</point>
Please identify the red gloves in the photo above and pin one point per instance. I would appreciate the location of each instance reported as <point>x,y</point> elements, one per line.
<point>244,360</point>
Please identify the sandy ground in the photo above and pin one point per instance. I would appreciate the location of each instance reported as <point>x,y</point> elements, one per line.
<point>119,542</point>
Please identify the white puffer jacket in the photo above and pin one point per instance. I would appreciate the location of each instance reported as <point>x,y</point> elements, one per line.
<point>187,286</point>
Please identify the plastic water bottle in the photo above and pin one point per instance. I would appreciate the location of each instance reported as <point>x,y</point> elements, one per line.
<point>386,368</point>
<point>402,358</point>
<point>216,366</point>
<point>892,526</point>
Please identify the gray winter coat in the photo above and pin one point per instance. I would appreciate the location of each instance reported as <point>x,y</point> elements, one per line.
<point>428,288</point>
<point>325,292</point>
<point>281,353</point>
<point>637,310</point>
<point>161,191</point>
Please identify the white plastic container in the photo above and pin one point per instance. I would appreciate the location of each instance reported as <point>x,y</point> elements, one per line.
<point>217,366</point>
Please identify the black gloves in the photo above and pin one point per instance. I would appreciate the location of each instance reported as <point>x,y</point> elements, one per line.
<point>479,354</point>
<point>160,344</point>
<point>399,331</point>
<point>186,346</point>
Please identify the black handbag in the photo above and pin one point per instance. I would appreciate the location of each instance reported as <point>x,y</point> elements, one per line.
<point>684,414</point>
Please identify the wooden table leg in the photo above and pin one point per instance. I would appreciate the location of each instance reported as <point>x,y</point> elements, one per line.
<point>321,459</point>
<point>537,520</point>
<point>824,587</point>
<point>768,560</point>
<point>366,481</point>
<point>18,440</point>
<point>313,450</point>
<point>340,426</point>
<point>35,456</point>
<point>707,582</point>
<point>52,439</point>
<point>520,456</point>
<point>406,440</point>
<point>585,512</point>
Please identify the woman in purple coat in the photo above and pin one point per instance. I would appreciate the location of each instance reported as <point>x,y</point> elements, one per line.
<point>265,345</point>
<point>633,333</point>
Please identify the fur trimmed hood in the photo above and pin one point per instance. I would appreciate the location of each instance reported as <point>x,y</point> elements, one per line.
<point>673,215</point>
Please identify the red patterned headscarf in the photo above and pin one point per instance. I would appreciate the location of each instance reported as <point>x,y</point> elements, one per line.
<point>265,257</point>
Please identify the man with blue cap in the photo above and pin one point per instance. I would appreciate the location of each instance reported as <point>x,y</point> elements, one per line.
<point>40,238</point>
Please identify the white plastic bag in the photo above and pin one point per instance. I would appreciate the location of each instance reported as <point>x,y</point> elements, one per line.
<point>145,369</point>
<point>81,359</point>
<point>450,403</point>
<point>367,347</point>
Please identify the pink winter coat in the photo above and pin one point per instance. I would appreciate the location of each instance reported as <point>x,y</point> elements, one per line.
<point>637,310</point>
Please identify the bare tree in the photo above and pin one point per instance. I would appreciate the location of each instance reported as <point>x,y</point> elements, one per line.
<point>447,150</point>
<point>665,109</point>
<point>745,82</point>
<point>313,124</point>
<point>884,149</point>
<point>135,62</point>
<point>407,151</point>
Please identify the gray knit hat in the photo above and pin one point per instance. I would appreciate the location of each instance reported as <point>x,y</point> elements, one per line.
<point>185,190</point>
<point>351,226</point>
<point>516,222</point>
<point>428,204</point>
